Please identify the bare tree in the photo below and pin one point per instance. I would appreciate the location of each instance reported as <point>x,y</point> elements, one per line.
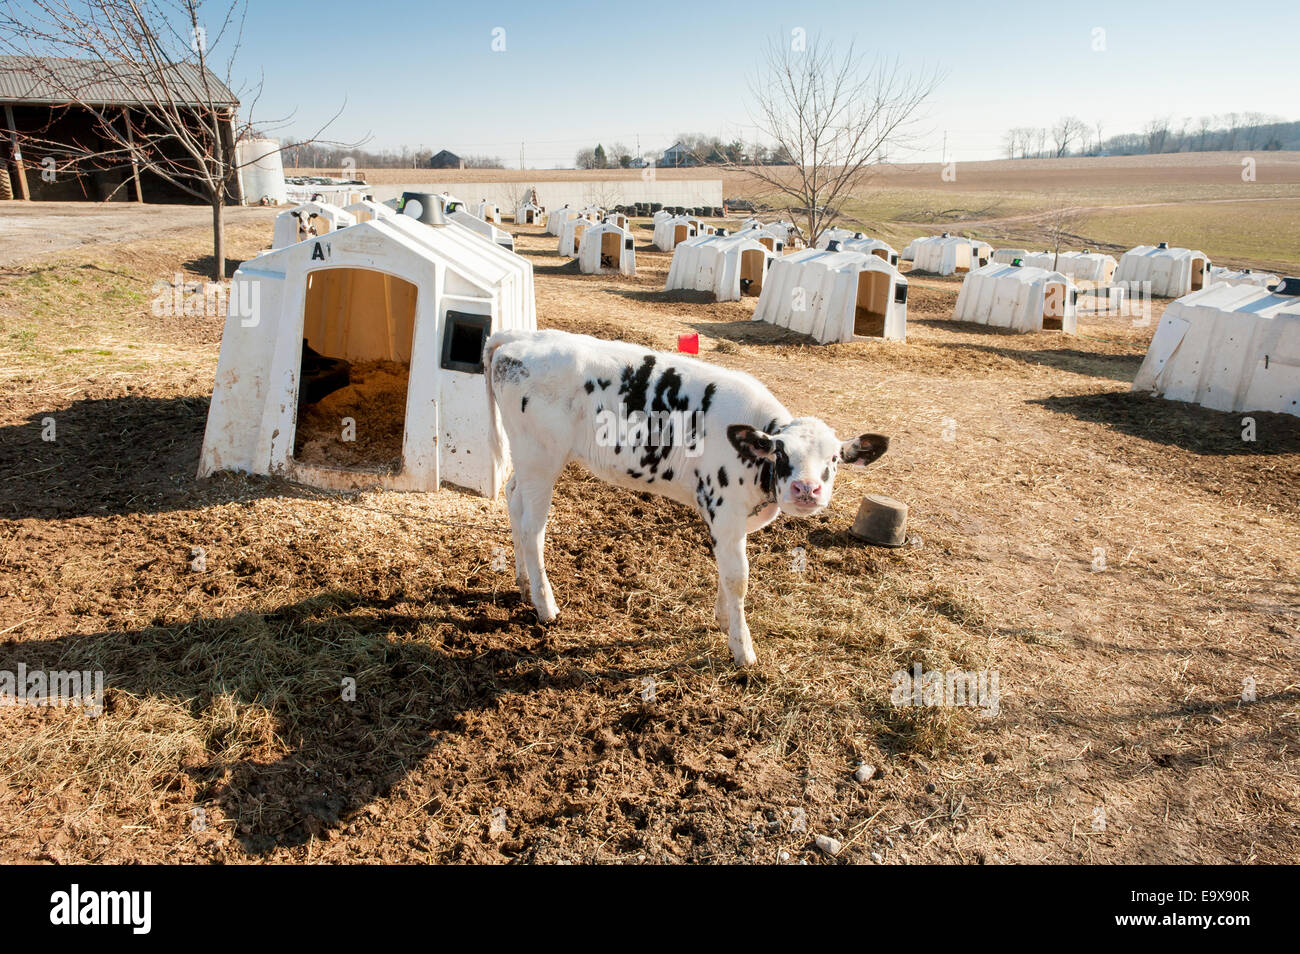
<point>1157,133</point>
<point>832,115</point>
<point>182,125</point>
<point>1202,132</point>
<point>1069,130</point>
<point>517,194</point>
<point>603,194</point>
<point>1060,223</point>
<point>1040,142</point>
<point>1100,139</point>
<point>1011,142</point>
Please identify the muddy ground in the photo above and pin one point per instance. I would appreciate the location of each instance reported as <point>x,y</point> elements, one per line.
<point>293,676</point>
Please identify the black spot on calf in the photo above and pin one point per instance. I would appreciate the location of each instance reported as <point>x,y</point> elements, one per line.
<point>633,384</point>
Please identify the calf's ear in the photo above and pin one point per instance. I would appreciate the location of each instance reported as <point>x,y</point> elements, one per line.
<point>862,450</point>
<point>750,442</point>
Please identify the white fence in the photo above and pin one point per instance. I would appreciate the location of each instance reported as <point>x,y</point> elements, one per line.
<point>577,194</point>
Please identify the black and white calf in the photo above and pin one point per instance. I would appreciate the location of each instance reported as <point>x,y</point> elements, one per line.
<point>713,439</point>
<point>306,223</point>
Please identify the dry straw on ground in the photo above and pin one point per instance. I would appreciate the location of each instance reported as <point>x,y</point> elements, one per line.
<point>1020,456</point>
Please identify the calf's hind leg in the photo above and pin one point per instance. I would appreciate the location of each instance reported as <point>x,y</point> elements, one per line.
<point>515,503</point>
<point>534,489</point>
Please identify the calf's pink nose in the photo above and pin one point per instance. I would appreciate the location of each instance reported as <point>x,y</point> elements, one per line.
<point>805,488</point>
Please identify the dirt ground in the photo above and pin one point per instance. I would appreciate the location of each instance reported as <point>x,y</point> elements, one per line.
<point>298,677</point>
<point>30,230</point>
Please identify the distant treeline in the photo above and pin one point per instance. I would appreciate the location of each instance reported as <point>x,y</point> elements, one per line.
<point>319,156</point>
<point>1226,132</point>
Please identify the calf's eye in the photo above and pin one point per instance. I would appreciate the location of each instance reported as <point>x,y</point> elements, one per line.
<point>826,474</point>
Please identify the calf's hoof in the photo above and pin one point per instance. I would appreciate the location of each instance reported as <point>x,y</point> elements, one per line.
<point>744,658</point>
<point>545,615</point>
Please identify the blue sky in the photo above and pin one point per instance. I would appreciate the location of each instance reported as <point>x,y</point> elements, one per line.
<point>576,73</point>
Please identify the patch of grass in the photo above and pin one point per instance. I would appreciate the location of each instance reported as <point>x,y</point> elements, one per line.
<point>1251,233</point>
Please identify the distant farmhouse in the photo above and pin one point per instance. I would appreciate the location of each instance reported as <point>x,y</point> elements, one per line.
<point>446,160</point>
<point>53,149</point>
<point>678,155</point>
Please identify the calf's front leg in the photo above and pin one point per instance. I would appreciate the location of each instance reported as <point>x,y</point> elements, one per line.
<point>733,582</point>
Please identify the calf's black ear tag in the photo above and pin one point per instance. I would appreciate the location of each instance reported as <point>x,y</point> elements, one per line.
<point>864,449</point>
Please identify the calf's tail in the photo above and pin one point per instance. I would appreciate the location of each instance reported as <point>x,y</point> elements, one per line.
<point>498,444</point>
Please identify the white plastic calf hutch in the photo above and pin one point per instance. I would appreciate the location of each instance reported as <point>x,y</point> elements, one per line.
<point>363,210</point>
<point>775,235</point>
<point>943,255</point>
<point>488,212</point>
<point>1081,266</point>
<point>835,296</point>
<point>606,249</point>
<point>619,219</point>
<point>701,227</point>
<point>1019,298</point>
<point>308,220</point>
<point>1005,256</point>
<point>671,232</point>
<point>571,235</point>
<point>871,247</point>
<point>730,266</point>
<point>836,235</point>
<point>1244,277</point>
<point>388,290</point>
<point>782,235</point>
<point>1230,348</point>
<point>486,229</point>
<point>1172,272</point>
<point>556,218</point>
<point>528,214</point>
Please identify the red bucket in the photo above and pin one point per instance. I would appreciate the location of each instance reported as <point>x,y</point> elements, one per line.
<point>689,344</point>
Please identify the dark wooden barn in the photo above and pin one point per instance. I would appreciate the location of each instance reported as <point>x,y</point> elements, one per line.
<point>55,147</point>
<point>446,160</point>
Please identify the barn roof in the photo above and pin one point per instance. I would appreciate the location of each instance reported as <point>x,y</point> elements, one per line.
<point>49,80</point>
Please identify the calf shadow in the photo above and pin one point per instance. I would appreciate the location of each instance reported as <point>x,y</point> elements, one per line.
<point>419,665</point>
